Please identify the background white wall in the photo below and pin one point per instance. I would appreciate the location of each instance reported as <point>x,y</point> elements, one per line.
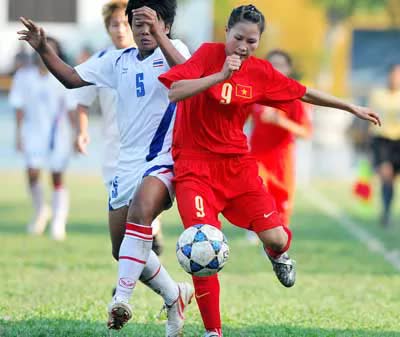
<point>193,24</point>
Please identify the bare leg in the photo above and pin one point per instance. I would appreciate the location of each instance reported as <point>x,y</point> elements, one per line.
<point>387,177</point>
<point>116,225</point>
<point>41,211</point>
<point>276,243</point>
<point>60,207</point>
<point>136,260</point>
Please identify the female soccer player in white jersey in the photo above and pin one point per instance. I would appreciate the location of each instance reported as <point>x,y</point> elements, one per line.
<point>142,187</point>
<point>117,26</point>
<point>43,134</point>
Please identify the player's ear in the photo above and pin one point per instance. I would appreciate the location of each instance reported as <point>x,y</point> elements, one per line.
<point>167,29</point>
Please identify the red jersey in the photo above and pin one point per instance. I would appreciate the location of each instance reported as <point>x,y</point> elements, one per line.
<point>212,121</point>
<point>266,137</point>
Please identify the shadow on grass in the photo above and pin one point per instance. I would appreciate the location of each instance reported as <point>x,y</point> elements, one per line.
<point>69,328</point>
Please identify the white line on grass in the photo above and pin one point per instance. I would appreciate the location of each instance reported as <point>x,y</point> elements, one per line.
<point>373,244</point>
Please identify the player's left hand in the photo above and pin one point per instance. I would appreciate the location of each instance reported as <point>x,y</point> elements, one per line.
<point>366,114</point>
<point>146,15</point>
<point>81,143</point>
<point>35,35</point>
<point>269,115</point>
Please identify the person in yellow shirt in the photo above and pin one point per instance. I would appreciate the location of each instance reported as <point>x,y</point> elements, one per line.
<point>386,139</point>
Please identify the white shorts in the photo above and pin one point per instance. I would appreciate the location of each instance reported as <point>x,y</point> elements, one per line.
<point>127,181</point>
<point>50,152</point>
<point>55,160</point>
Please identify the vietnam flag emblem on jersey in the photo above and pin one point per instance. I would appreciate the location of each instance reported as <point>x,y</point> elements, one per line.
<point>244,91</point>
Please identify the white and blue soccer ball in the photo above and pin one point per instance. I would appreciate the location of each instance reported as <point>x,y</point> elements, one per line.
<point>202,250</point>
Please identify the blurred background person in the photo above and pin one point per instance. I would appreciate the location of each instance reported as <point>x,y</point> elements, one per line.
<point>273,138</point>
<point>117,26</point>
<point>386,139</point>
<point>21,59</point>
<point>43,134</point>
<point>84,54</point>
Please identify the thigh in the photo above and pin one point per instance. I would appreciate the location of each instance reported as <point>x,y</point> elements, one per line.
<point>381,150</point>
<point>253,210</point>
<point>196,204</point>
<point>58,159</point>
<point>150,199</point>
<point>395,156</point>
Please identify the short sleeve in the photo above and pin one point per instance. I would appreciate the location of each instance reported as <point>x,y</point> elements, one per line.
<point>193,68</point>
<point>100,71</point>
<point>16,95</point>
<point>279,88</point>
<point>182,48</point>
<point>85,95</point>
<point>71,99</point>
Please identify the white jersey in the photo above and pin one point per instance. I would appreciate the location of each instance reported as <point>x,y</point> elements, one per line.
<point>46,131</point>
<point>108,100</point>
<point>145,115</point>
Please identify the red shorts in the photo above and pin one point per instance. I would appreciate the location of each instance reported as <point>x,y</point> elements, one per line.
<point>208,186</point>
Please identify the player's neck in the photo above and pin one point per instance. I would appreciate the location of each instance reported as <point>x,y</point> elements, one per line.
<point>143,54</point>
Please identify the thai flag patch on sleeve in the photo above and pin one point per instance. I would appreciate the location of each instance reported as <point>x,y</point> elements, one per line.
<point>158,63</point>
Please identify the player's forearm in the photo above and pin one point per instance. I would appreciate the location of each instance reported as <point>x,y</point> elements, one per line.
<point>172,55</point>
<point>321,98</point>
<point>66,74</point>
<point>83,119</point>
<point>293,127</point>
<point>183,89</point>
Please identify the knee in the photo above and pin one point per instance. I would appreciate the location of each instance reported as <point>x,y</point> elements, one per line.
<point>275,239</point>
<point>141,213</point>
<point>57,179</point>
<point>33,177</point>
<point>386,172</point>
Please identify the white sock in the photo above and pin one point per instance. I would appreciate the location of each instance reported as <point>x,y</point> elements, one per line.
<point>156,277</point>
<point>133,255</point>
<point>60,208</point>
<point>37,195</point>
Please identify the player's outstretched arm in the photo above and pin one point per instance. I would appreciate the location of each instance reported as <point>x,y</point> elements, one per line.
<point>183,89</point>
<point>82,138</point>
<point>36,37</point>
<point>317,97</point>
<point>146,15</point>
<point>274,117</point>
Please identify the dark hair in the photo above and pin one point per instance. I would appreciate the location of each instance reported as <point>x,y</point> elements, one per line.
<point>59,50</point>
<point>165,9</point>
<point>282,53</point>
<point>247,13</point>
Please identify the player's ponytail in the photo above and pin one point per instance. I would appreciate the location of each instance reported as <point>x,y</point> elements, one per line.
<point>247,13</point>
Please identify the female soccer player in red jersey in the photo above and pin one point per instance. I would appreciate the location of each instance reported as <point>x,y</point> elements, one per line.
<point>272,141</point>
<point>214,172</point>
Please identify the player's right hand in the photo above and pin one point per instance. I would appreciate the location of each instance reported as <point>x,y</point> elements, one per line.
<point>81,143</point>
<point>35,35</point>
<point>232,63</point>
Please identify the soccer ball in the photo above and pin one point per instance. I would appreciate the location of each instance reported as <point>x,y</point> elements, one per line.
<point>202,250</point>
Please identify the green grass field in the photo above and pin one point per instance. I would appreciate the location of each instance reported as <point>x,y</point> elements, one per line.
<point>51,289</point>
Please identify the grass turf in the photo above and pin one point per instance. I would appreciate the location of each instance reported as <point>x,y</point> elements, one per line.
<point>52,289</point>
